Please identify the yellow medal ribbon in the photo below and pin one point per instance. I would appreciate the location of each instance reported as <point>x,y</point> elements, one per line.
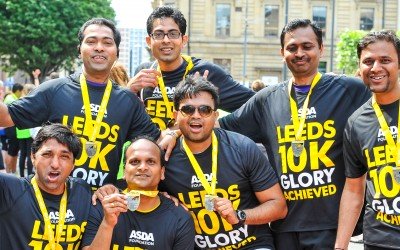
<point>148,193</point>
<point>161,83</point>
<point>47,224</point>
<point>299,124</point>
<point>93,129</point>
<point>386,130</point>
<point>209,189</point>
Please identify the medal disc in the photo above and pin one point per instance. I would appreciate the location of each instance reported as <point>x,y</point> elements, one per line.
<point>396,174</point>
<point>133,202</point>
<point>297,147</point>
<point>90,148</point>
<point>209,202</point>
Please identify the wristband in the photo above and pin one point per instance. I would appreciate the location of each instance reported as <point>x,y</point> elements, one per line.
<point>172,133</point>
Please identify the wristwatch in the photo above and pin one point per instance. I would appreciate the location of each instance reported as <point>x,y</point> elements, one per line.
<point>241,216</point>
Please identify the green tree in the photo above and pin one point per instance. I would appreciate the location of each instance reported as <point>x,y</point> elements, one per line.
<point>347,59</point>
<point>43,33</point>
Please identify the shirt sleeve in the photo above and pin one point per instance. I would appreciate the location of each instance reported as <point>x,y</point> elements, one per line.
<point>10,190</point>
<point>185,233</point>
<point>232,95</point>
<point>93,224</point>
<point>354,167</point>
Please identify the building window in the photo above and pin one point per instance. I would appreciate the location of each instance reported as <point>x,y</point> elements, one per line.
<point>319,16</point>
<point>224,63</point>
<point>366,19</point>
<point>322,67</point>
<point>223,22</point>
<point>271,20</point>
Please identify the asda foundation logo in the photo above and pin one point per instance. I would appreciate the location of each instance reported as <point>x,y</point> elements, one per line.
<point>393,132</point>
<point>54,216</point>
<point>94,109</point>
<point>143,238</point>
<point>311,113</point>
<point>196,181</point>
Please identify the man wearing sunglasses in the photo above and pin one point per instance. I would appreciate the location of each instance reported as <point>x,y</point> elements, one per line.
<point>156,82</point>
<point>222,177</point>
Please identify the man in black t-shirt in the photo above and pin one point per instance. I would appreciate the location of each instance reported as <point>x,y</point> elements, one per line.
<point>371,148</point>
<point>300,122</point>
<point>103,114</point>
<point>50,209</point>
<point>153,222</point>
<point>222,177</point>
<point>156,82</point>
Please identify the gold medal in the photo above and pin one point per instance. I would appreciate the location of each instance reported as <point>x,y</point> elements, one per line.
<point>297,147</point>
<point>209,202</point>
<point>90,148</point>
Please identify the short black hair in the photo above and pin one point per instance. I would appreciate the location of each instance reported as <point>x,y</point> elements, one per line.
<point>17,87</point>
<point>301,23</point>
<point>375,36</point>
<point>103,22</point>
<point>192,86</point>
<point>150,139</point>
<point>165,12</point>
<point>59,132</point>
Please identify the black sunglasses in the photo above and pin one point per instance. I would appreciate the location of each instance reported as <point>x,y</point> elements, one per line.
<point>189,110</point>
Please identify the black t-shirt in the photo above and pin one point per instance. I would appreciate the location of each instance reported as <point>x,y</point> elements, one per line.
<point>60,100</point>
<point>21,222</point>
<point>231,94</point>
<point>167,227</point>
<point>312,183</point>
<point>366,151</point>
<point>242,171</point>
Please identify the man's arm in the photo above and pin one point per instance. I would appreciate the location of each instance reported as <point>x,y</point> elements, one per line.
<point>350,206</point>
<point>5,118</point>
<point>272,207</point>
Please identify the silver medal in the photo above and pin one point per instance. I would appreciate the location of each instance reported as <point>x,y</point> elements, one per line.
<point>209,202</point>
<point>133,202</point>
<point>297,147</point>
<point>90,148</point>
<point>396,174</point>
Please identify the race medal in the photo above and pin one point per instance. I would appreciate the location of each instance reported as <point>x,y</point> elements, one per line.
<point>90,148</point>
<point>133,200</point>
<point>297,147</point>
<point>209,202</point>
<point>396,174</point>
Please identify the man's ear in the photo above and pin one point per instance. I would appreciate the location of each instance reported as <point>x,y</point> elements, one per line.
<point>185,40</point>
<point>162,177</point>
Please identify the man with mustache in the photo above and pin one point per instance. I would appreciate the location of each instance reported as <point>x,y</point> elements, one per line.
<point>301,122</point>
<point>103,114</point>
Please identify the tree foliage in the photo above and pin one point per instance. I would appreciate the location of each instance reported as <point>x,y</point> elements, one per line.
<point>43,33</point>
<point>347,59</point>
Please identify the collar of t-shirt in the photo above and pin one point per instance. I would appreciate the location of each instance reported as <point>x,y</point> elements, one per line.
<point>302,88</point>
<point>95,84</point>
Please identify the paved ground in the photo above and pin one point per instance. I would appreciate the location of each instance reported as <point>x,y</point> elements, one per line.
<point>356,246</point>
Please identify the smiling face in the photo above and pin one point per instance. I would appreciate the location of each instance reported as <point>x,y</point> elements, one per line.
<point>53,163</point>
<point>98,52</point>
<point>302,52</point>
<point>143,170</point>
<point>196,128</point>
<point>167,51</point>
<point>379,67</point>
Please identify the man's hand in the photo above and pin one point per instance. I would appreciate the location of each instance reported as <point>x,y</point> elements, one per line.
<point>205,74</point>
<point>167,141</point>
<point>113,205</point>
<point>224,207</point>
<point>145,78</point>
<point>102,192</point>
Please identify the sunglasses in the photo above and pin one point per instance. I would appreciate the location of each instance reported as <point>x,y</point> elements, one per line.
<point>189,110</point>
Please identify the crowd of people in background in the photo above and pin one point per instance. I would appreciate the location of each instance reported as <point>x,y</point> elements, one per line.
<point>110,157</point>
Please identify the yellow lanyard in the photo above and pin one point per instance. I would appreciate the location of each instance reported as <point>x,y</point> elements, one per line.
<point>161,83</point>
<point>299,124</point>
<point>91,128</point>
<point>209,189</point>
<point>148,193</point>
<point>47,224</point>
<point>386,131</point>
